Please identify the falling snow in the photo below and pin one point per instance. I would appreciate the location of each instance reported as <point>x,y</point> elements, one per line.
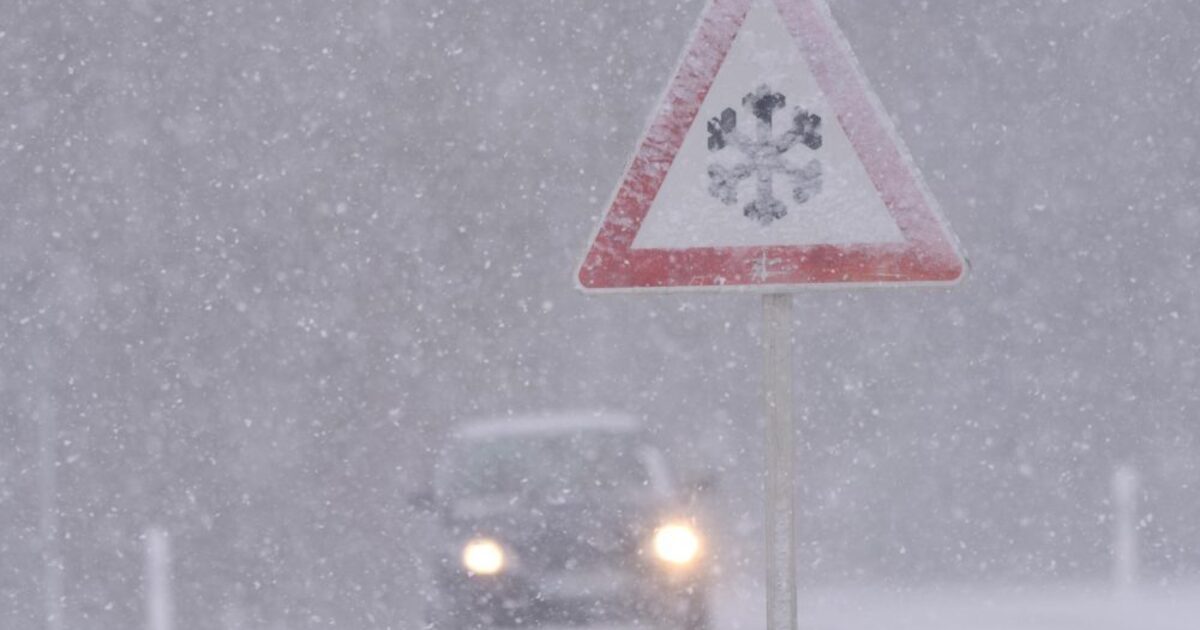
<point>262,263</point>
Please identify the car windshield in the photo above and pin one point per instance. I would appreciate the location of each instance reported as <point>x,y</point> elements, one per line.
<point>559,466</point>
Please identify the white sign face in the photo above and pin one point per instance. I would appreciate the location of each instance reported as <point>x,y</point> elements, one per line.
<point>844,206</point>
<point>770,166</point>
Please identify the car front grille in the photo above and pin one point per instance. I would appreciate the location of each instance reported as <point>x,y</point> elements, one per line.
<point>563,551</point>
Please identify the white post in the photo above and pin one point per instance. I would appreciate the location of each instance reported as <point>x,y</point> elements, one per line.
<point>52,564</point>
<point>781,453</point>
<point>159,606</point>
<point>1125,488</point>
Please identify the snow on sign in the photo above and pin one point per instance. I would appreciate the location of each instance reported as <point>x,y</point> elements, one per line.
<point>770,165</point>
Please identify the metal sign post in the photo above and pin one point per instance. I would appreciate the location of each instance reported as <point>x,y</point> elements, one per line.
<point>781,454</point>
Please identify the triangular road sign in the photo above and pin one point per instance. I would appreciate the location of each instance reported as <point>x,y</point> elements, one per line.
<point>770,165</point>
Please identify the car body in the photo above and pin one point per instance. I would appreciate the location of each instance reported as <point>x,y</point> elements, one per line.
<point>564,519</point>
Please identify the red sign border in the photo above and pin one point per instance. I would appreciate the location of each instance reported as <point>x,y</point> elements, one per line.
<point>929,256</point>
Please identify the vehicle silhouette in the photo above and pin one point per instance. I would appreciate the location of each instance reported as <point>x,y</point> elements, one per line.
<point>565,519</point>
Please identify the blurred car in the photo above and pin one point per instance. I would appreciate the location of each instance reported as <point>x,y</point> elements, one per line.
<point>567,519</point>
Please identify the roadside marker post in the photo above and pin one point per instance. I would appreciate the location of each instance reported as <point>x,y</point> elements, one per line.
<point>1126,485</point>
<point>159,601</point>
<point>770,167</point>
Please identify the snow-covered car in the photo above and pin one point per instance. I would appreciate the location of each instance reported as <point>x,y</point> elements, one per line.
<point>563,519</point>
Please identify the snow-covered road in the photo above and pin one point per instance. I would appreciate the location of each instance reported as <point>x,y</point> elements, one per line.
<point>974,608</point>
<point>739,607</point>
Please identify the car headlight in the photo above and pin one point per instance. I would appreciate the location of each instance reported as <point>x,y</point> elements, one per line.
<point>483,556</point>
<point>677,544</point>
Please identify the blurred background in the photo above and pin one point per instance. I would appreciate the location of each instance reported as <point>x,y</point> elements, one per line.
<point>257,257</point>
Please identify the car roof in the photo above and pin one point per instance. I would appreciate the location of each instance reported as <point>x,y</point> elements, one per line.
<point>546,424</point>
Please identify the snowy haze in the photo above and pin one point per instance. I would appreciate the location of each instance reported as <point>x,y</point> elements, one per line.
<point>258,257</point>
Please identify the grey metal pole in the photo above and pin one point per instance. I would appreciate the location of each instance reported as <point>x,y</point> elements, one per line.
<point>782,611</point>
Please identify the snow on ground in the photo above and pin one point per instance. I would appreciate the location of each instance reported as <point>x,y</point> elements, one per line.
<point>740,607</point>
